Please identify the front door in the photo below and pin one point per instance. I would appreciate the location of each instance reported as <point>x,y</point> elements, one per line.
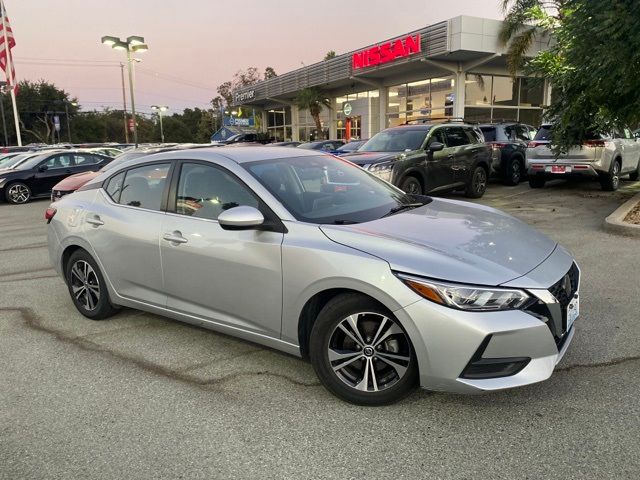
<point>57,167</point>
<point>439,165</point>
<point>233,277</point>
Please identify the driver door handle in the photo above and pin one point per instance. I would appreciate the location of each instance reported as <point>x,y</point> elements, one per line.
<point>174,237</point>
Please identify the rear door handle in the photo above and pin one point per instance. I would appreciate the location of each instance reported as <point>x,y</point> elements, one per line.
<point>174,237</point>
<point>95,221</point>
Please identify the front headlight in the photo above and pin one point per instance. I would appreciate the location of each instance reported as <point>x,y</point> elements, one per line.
<point>382,170</point>
<point>467,297</point>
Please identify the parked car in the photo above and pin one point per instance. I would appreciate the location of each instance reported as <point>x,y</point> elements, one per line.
<point>74,182</point>
<point>422,158</point>
<point>329,146</point>
<point>35,176</point>
<point>350,147</point>
<point>284,144</point>
<point>13,160</point>
<point>605,157</point>
<point>508,142</point>
<point>381,289</point>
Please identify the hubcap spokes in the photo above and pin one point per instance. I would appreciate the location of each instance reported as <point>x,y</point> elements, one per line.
<point>85,285</point>
<point>369,352</point>
<point>480,181</point>
<point>19,193</point>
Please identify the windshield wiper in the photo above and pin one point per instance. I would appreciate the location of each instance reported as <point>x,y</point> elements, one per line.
<point>405,206</point>
<point>343,222</point>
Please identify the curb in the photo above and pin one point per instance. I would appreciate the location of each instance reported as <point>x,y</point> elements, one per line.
<point>615,223</point>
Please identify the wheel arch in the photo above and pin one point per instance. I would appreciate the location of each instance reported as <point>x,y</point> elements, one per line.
<point>416,173</point>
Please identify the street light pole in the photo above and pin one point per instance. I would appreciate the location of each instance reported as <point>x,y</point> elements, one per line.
<point>132,45</point>
<point>66,112</point>
<point>131,93</point>
<point>124,105</point>
<point>160,109</point>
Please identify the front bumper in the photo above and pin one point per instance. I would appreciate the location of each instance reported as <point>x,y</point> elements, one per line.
<point>529,342</point>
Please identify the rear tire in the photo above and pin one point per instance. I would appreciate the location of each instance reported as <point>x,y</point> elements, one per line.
<point>17,193</point>
<point>372,364</point>
<point>477,183</point>
<point>537,182</point>
<point>611,181</point>
<point>513,171</point>
<point>87,287</point>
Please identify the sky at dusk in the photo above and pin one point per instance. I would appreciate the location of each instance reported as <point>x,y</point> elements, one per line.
<point>194,45</point>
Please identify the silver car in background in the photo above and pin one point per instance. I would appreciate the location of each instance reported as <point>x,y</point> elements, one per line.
<point>605,158</point>
<point>309,254</point>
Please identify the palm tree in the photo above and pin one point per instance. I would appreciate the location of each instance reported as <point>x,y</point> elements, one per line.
<point>313,99</point>
<point>523,18</point>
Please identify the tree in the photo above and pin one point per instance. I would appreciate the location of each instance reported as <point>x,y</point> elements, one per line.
<point>226,92</point>
<point>594,68</point>
<point>329,55</point>
<point>523,19</point>
<point>313,99</point>
<point>269,72</point>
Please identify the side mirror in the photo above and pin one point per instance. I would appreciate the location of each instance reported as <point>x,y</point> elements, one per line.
<point>240,218</point>
<point>435,147</point>
<point>43,168</point>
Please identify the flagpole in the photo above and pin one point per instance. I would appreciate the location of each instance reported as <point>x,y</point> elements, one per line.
<point>7,74</point>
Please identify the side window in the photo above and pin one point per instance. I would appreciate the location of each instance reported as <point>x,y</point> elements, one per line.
<point>205,192</point>
<point>510,132</point>
<point>86,159</point>
<point>114,187</point>
<point>437,136</point>
<point>472,136</point>
<point>456,137</point>
<point>60,161</point>
<point>143,186</point>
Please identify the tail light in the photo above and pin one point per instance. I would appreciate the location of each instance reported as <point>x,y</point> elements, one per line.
<point>49,214</point>
<point>594,143</point>
<point>536,144</point>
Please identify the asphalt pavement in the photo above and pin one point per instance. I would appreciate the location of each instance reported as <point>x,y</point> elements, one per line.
<point>144,397</point>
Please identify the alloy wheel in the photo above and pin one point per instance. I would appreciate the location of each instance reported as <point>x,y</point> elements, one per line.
<point>615,175</point>
<point>480,181</point>
<point>85,285</point>
<point>369,352</point>
<point>515,172</point>
<point>18,193</point>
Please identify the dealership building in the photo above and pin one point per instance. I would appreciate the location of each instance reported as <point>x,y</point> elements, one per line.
<point>456,68</point>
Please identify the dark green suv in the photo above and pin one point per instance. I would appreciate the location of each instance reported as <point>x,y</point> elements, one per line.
<point>429,158</point>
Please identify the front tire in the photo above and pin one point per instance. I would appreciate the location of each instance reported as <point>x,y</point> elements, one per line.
<point>478,183</point>
<point>412,186</point>
<point>611,181</point>
<point>361,353</point>
<point>17,193</point>
<point>87,287</point>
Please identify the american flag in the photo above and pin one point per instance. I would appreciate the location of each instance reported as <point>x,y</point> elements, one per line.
<point>4,23</point>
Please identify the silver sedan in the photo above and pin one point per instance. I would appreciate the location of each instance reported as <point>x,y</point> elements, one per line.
<point>309,254</point>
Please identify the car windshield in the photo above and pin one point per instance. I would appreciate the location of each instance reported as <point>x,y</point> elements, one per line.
<point>311,145</point>
<point>325,189</point>
<point>396,140</point>
<point>489,133</point>
<point>351,146</point>
<point>18,162</point>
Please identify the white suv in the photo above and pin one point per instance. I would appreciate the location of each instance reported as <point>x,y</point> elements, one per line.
<point>606,157</point>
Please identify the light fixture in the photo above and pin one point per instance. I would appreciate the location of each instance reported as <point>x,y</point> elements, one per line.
<point>233,112</point>
<point>139,47</point>
<point>109,40</point>
<point>119,45</point>
<point>135,40</point>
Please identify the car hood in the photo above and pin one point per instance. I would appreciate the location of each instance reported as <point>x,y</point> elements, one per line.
<point>366,158</point>
<point>74,182</point>
<point>450,240</point>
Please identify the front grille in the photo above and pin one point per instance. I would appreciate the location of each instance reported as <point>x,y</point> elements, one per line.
<point>563,291</point>
<point>567,282</point>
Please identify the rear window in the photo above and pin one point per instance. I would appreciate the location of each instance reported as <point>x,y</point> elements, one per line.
<point>489,133</point>
<point>544,133</point>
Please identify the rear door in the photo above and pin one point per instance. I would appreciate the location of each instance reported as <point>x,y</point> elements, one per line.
<point>86,162</point>
<point>462,152</point>
<point>123,227</point>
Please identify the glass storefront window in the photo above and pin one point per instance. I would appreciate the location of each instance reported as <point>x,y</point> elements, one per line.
<point>531,92</point>
<point>505,114</point>
<point>531,116</point>
<point>478,89</point>
<point>477,114</point>
<point>505,91</point>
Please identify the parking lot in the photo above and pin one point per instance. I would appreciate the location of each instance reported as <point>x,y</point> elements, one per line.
<point>139,396</point>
